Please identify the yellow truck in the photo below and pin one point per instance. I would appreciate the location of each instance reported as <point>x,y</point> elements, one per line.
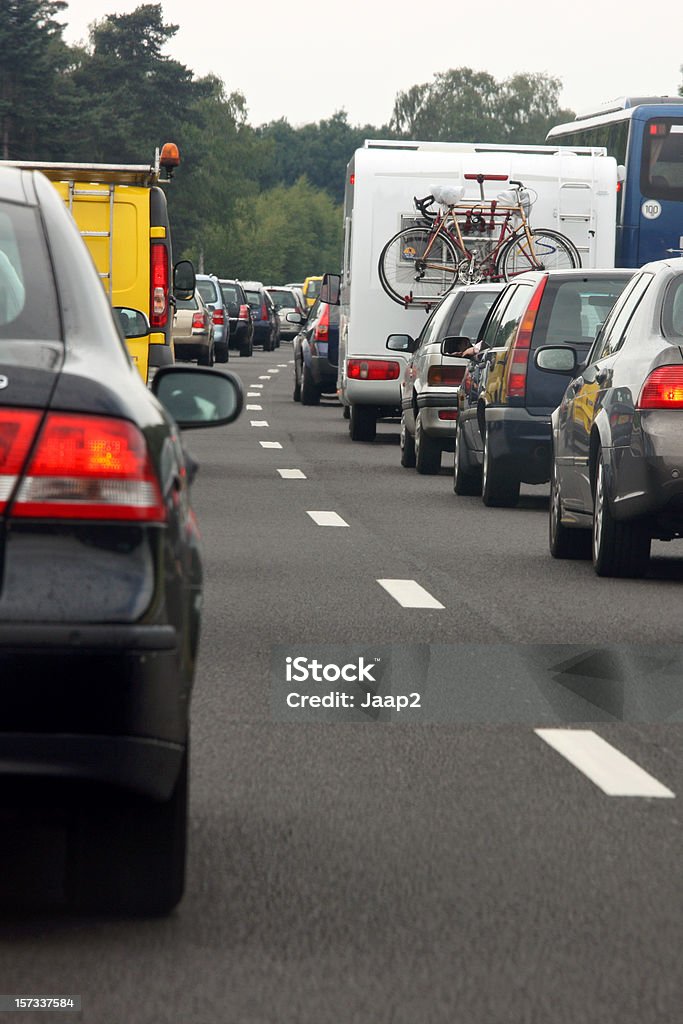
<point>122,214</point>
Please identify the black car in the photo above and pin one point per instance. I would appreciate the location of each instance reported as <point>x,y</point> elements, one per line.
<point>101,572</point>
<point>263,314</point>
<point>618,432</point>
<point>239,315</point>
<point>316,353</point>
<point>506,398</point>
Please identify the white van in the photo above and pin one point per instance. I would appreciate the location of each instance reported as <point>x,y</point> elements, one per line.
<point>576,193</point>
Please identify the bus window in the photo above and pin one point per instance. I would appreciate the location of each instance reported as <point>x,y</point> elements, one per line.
<point>661,172</point>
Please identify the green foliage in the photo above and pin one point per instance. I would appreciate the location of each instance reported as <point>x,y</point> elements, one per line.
<point>462,105</point>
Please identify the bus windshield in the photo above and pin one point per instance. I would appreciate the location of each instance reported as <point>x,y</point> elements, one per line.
<point>661,172</point>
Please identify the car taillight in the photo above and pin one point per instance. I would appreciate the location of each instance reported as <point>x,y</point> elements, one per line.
<point>159,278</point>
<point>90,467</point>
<point>663,389</point>
<point>17,431</point>
<point>449,375</point>
<point>322,330</point>
<point>373,369</point>
<point>218,317</point>
<point>519,355</point>
<point>244,313</point>
<point>448,414</point>
<point>198,320</point>
<point>264,312</point>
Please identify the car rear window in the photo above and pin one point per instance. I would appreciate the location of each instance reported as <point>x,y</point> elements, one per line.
<point>282,299</point>
<point>187,303</point>
<point>572,311</point>
<point>230,293</point>
<point>208,291</point>
<point>28,301</point>
<point>254,299</point>
<point>469,314</point>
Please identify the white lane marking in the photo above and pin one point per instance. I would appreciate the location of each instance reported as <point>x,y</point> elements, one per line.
<point>264,376</point>
<point>254,394</point>
<point>282,366</point>
<point>291,362</point>
<point>256,385</point>
<point>610,770</point>
<point>410,594</point>
<point>259,423</point>
<point>327,519</point>
<point>292,474</point>
<point>254,408</point>
<point>273,369</point>
<point>270,444</point>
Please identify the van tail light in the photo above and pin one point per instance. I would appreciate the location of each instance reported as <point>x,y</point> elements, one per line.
<point>159,276</point>
<point>448,375</point>
<point>521,346</point>
<point>373,369</point>
<point>17,430</point>
<point>663,389</point>
<point>244,313</point>
<point>198,320</point>
<point>89,467</point>
<point>218,316</point>
<point>322,330</point>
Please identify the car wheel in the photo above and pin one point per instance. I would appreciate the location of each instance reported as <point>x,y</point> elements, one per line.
<point>362,423</point>
<point>222,354</point>
<point>407,442</point>
<point>499,486</point>
<point>346,412</point>
<point>127,853</point>
<point>296,394</point>
<point>310,392</point>
<point>465,480</point>
<point>427,450</point>
<point>208,358</point>
<point>246,350</point>
<point>620,548</point>
<point>564,542</point>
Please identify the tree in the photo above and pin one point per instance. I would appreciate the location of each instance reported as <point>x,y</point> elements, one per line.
<point>32,53</point>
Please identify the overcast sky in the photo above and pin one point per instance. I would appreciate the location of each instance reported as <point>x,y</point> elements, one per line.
<point>303,62</point>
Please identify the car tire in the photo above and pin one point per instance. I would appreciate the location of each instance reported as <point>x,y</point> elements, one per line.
<point>466,481</point>
<point>346,412</point>
<point>209,358</point>
<point>427,450</point>
<point>246,350</point>
<point>619,547</point>
<point>563,541</point>
<point>310,392</point>
<point>222,354</point>
<point>407,443</point>
<point>362,423</point>
<point>499,485</point>
<point>296,394</point>
<point>127,853</point>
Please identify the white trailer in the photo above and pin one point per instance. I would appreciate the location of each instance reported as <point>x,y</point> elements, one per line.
<point>576,192</point>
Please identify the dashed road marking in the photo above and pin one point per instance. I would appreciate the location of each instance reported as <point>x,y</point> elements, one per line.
<point>259,423</point>
<point>327,519</point>
<point>254,394</point>
<point>292,474</point>
<point>273,369</point>
<point>282,366</point>
<point>254,408</point>
<point>270,444</point>
<point>264,376</point>
<point>410,594</point>
<point>610,770</point>
<point>256,385</point>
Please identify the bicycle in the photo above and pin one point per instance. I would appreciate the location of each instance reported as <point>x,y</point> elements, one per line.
<point>469,241</point>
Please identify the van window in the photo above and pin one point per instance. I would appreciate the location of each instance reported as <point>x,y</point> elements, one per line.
<point>28,304</point>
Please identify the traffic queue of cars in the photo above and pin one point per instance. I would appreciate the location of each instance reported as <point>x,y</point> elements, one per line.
<point>573,377</point>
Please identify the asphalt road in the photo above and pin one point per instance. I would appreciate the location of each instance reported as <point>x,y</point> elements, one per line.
<point>439,863</point>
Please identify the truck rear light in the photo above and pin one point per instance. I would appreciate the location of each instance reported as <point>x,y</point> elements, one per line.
<point>521,346</point>
<point>663,389</point>
<point>449,375</point>
<point>90,467</point>
<point>17,430</point>
<point>159,277</point>
<point>373,369</point>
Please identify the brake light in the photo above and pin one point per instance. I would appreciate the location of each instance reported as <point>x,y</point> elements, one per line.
<point>322,330</point>
<point>198,320</point>
<point>90,467</point>
<point>449,375</point>
<point>264,312</point>
<point>217,316</point>
<point>663,389</point>
<point>448,414</point>
<point>159,279</point>
<point>373,369</point>
<point>244,313</point>
<point>17,430</point>
<point>519,356</point>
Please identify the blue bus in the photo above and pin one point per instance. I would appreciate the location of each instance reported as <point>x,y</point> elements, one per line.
<point>645,135</point>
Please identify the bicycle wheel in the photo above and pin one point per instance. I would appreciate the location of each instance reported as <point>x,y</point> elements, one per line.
<point>551,251</point>
<point>406,276</point>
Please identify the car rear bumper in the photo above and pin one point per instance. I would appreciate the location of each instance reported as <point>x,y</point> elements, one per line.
<point>191,349</point>
<point>651,484</point>
<point>522,441</point>
<point>431,404</point>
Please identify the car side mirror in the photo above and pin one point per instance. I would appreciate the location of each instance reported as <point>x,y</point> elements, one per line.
<point>133,322</point>
<point>401,343</point>
<point>330,289</point>
<point>184,279</point>
<point>455,346</point>
<point>200,397</point>
<point>294,318</point>
<point>556,359</point>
